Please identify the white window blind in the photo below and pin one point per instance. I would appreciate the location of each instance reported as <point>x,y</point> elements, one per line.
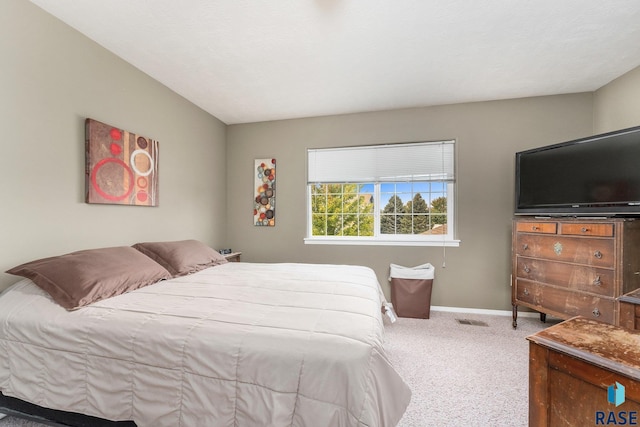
<point>420,161</point>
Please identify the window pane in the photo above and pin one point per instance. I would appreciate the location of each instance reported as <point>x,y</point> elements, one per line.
<point>367,188</point>
<point>439,204</point>
<point>318,204</point>
<point>334,188</point>
<point>334,203</point>
<point>366,204</point>
<point>350,188</point>
<point>350,203</point>
<point>389,187</point>
<point>334,225</point>
<point>438,220</point>
<point>403,187</point>
<point>319,222</point>
<point>420,187</point>
<point>390,224</point>
<point>420,224</point>
<point>347,210</point>
<point>438,187</point>
<point>410,208</point>
<point>350,224</point>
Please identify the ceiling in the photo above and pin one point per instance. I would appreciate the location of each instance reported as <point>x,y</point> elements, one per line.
<point>258,60</point>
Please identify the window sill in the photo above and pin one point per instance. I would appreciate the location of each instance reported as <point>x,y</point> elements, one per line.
<point>379,242</point>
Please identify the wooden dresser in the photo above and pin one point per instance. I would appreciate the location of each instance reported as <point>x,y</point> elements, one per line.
<point>574,267</point>
<point>572,366</point>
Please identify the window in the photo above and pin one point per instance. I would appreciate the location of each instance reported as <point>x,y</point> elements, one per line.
<point>382,194</point>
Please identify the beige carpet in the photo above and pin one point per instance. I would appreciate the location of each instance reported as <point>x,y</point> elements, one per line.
<point>460,374</point>
<point>463,374</point>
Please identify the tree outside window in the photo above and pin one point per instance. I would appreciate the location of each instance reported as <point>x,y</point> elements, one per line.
<point>342,210</point>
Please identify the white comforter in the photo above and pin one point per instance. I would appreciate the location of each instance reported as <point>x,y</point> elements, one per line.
<point>239,344</point>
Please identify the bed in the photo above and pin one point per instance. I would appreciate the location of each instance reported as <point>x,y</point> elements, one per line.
<point>233,344</point>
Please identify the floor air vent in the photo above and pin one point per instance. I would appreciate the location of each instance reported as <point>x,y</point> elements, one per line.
<point>472,322</point>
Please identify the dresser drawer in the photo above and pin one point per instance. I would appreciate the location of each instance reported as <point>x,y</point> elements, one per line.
<point>596,252</point>
<point>566,302</point>
<point>571,276</point>
<point>586,229</point>
<point>537,227</point>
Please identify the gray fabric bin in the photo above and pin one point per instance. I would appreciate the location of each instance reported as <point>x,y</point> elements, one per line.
<point>411,290</point>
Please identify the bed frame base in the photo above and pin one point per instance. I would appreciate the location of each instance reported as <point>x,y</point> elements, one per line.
<point>21,409</point>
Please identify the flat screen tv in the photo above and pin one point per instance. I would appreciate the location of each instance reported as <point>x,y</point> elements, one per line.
<point>594,176</point>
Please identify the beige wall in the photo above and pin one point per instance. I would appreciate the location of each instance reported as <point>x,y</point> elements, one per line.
<point>488,134</point>
<point>52,78</point>
<point>617,104</point>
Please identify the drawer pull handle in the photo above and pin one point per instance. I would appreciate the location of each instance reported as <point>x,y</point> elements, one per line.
<point>535,228</point>
<point>597,281</point>
<point>526,291</point>
<point>596,312</point>
<point>527,269</point>
<point>597,254</point>
<point>584,229</point>
<point>525,247</point>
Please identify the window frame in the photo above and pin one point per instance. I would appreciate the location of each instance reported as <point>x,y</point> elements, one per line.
<point>441,240</point>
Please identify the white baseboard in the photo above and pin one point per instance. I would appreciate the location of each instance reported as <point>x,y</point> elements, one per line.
<point>483,311</point>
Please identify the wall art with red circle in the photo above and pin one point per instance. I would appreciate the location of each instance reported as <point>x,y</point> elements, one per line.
<point>121,166</point>
<point>264,203</point>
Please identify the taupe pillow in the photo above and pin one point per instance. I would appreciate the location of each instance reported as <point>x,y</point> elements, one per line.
<point>80,278</point>
<point>181,257</point>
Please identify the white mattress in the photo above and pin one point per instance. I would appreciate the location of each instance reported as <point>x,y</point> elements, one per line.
<point>238,344</point>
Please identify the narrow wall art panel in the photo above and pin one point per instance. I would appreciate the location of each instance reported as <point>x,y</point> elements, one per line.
<point>121,166</point>
<point>264,208</point>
